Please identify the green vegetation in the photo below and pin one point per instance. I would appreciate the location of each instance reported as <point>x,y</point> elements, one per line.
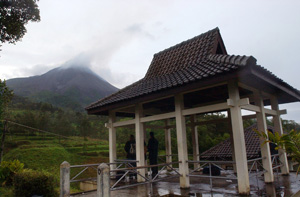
<point>8,169</point>
<point>39,154</point>
<point>28,183</point>
<point>289,141</point>
<point>5,98</point>
<point>45,153</point>
<point>46,117</point>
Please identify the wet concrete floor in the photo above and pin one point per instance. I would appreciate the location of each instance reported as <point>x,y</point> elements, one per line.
<point>283,186</point>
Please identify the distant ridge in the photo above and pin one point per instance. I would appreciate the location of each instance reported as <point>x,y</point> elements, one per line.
<point>71,87</point>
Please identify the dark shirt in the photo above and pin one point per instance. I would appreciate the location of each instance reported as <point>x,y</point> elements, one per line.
<point>153,148</point>
<point>130,149</point>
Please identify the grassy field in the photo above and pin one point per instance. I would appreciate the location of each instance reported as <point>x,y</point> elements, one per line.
<point>46,153</point>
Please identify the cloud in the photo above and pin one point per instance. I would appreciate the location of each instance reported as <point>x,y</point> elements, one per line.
<point>137,29</point>
<point>80,60</point>
<point>118,79</point>
<point>36,70</point>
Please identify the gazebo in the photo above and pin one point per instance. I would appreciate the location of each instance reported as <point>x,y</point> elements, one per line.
<point>223,150</point>
<point>194,77</point>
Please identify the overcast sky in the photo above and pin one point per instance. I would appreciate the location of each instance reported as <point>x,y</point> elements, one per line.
<point>117,39</point>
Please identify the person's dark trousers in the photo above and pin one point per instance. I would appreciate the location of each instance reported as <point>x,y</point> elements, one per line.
<point>153,161</point>
<point>132,165</point>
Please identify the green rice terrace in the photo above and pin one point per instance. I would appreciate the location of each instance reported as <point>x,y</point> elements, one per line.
<point>46,153</point>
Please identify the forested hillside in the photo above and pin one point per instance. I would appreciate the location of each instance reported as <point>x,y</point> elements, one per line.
<point>69,86</point>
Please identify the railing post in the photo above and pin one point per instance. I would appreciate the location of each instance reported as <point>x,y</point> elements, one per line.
<point>64,179</point>
<point>103,181</point>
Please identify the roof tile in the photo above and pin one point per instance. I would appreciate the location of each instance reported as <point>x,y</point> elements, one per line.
<point>223,151</point>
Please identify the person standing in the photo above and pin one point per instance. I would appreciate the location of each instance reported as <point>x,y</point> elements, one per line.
<point>153,153</point>
<point>130,148</point>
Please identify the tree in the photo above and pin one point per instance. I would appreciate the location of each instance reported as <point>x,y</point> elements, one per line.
<point>14,15</point>
<point>5,97</point>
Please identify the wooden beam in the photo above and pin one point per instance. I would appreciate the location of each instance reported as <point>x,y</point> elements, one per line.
<point>158,117</point>
<point>250,107</point>
<point>123,123</point>
<point>206,109</point>
<point>283,111</point>
<point>270,112</point>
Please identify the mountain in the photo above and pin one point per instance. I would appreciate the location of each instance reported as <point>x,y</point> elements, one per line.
<point>67,86</point>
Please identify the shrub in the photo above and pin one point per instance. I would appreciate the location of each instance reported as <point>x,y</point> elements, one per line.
<point>29,183</point>
<point>7,171</point>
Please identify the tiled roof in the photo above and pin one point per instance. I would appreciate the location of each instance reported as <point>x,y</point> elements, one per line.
<point>184,63</point>
<point>183,55</point>
<point>223,151</point>
<point>212,65</point>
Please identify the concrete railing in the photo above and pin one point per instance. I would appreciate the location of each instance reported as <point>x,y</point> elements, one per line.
<point>103,180</point>
<point>64,179</point>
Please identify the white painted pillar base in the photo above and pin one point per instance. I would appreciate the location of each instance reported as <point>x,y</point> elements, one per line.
<point>112,140</point>
<point>181,142</point>
<point>265,149</point>
<point>194,131</point>
<point>239,140</point>
<point>139,140</point>
<point>278,128</point>
<point>168,144</point>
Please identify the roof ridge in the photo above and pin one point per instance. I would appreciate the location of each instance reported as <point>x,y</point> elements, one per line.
<point>181,55</point>
<point>186,41</point>
<point>232,59</point>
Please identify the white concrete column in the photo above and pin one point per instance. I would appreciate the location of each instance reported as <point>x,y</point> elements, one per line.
<point>194,130</point>
<point>239,140</point>
<point>112,139</point>
<point>64,179</point>
<point>181,142</point>
<point>232,143</point>
<point>139,140</point>
<point>265,149</point>
<point>278,129</point>
<point>168,144</point>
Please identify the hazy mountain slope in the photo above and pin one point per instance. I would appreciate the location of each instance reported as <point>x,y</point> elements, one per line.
<point>71,87</point>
